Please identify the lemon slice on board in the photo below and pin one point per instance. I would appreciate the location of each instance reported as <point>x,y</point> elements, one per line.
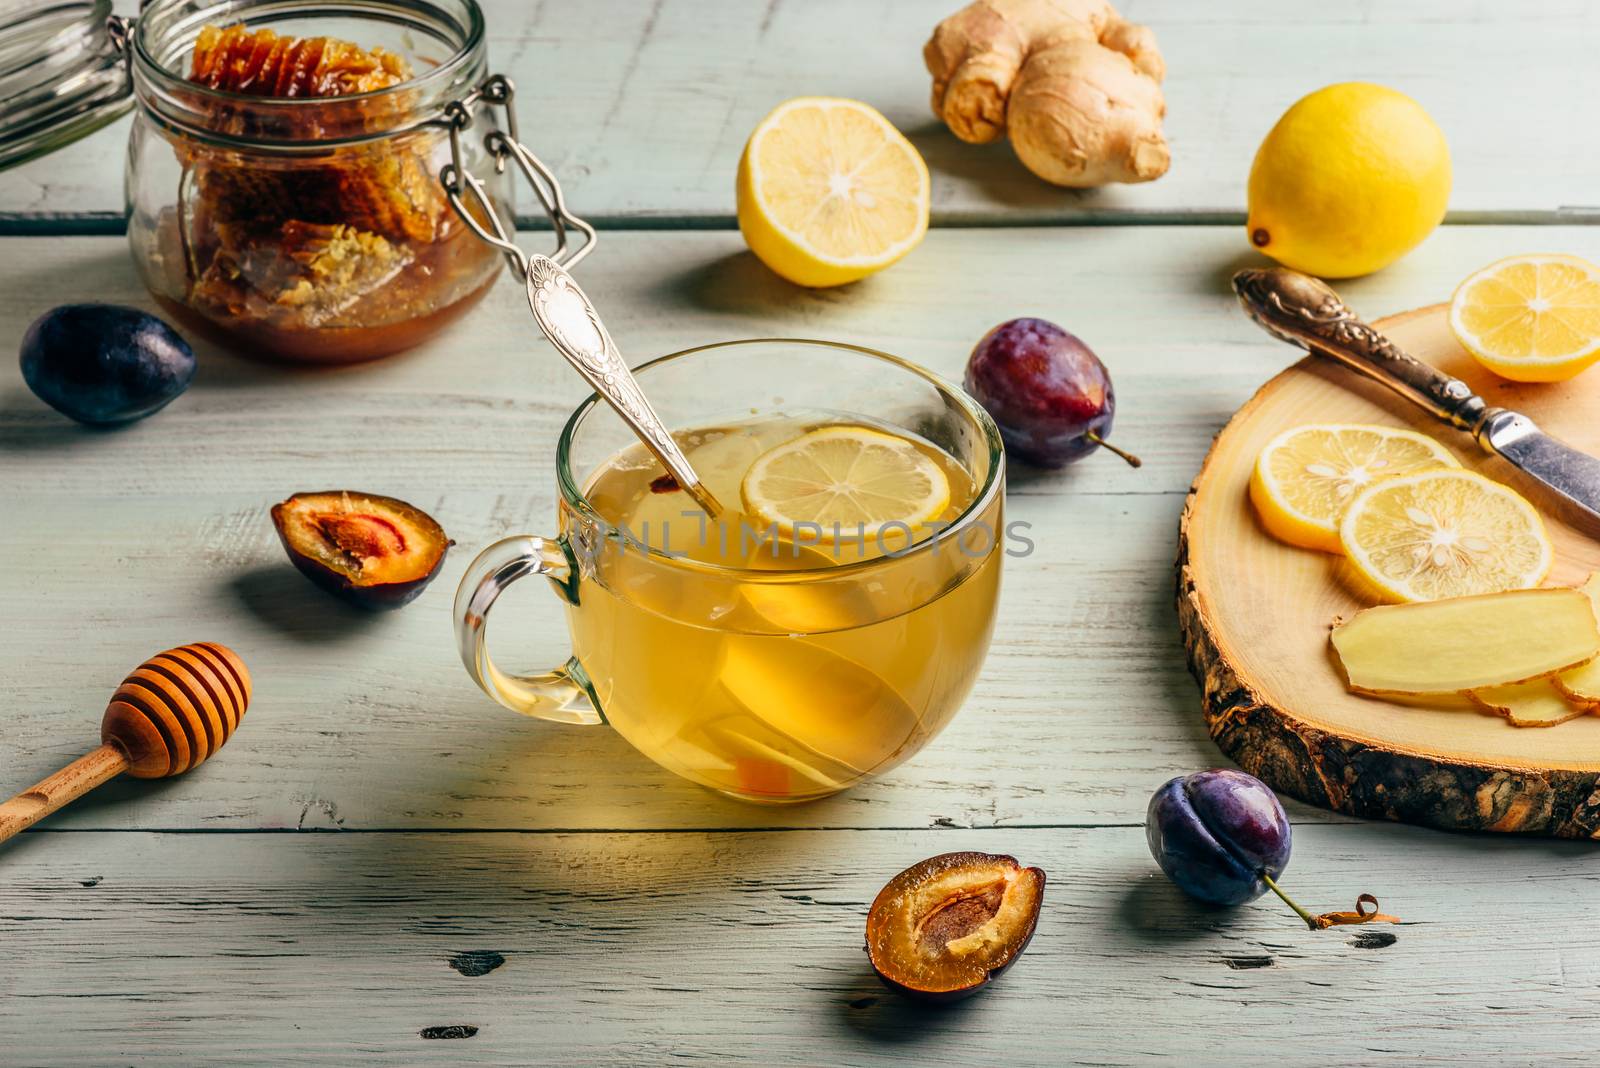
<point>1306,477</point>
<point>1445,533</point>
<point>1531,318</point>
<point>829,191</point>
<point>849,481</point>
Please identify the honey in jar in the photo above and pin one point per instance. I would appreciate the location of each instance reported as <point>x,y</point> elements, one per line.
<point>285,188</point>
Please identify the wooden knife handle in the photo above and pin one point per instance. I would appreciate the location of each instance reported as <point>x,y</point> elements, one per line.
<point>1305,311</point>
<point>71,782</point>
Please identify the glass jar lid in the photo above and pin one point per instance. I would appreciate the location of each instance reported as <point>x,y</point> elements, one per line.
<point>63,74</point>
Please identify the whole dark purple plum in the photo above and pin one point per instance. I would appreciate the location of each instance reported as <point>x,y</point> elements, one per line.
<point>1047,390</point>
<point>1215,832</point>
<point>104,364</point>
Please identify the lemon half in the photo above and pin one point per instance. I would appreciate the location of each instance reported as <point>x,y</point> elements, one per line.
<point>829,191</point>
<point>1531,318</point>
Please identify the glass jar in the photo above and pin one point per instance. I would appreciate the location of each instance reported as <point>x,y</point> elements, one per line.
<point>312,229</point>
<point>344,214</point>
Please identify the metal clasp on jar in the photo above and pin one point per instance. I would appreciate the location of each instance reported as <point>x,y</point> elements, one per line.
<point>504,143</point>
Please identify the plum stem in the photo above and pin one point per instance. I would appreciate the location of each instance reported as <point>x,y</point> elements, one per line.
<point>1311,921</point>
<point>1368,914</point>
<point>1130,458</point>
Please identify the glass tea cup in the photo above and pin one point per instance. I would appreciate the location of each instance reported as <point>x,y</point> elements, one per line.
<point>768,669</point>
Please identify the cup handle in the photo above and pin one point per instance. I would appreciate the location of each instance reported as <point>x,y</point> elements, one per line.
<point>555,695</point>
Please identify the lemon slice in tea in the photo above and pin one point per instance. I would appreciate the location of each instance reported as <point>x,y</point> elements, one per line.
<point>848,480</point>
<point>1446,533</point>
<point>1307,476</point>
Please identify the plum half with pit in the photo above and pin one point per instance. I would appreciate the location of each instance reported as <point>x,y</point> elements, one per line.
<point>943,928</point>
<point>373,551</point>
<point>1048,392</point>
<point>104,364</point>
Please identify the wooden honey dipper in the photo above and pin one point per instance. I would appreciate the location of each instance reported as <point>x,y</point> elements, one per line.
<point>176,709</point>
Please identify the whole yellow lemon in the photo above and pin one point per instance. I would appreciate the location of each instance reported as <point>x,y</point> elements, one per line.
<point>1351,178</point>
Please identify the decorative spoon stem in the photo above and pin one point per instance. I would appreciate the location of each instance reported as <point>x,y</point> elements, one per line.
<point>568,318</point>
<point>565,314</point>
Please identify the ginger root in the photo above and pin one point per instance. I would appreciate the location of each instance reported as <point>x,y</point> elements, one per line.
<point>1078,89</point>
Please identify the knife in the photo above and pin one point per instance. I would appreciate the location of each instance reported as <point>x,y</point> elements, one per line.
<point>1305,311</point>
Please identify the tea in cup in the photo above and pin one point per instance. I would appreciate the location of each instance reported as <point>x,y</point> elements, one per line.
<point>820,629</point>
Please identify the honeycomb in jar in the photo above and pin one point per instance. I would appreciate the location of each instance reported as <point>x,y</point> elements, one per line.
<point>384,188</point>
<point>390,193</point>
<point>305,272</point>
<point>261,62</point>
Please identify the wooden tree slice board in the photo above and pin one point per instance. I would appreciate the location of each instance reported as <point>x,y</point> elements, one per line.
<point>1255,615</point>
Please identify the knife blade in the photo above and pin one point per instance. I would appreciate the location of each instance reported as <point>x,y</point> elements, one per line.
<point>1306,312</point>
<point>1571,473</point>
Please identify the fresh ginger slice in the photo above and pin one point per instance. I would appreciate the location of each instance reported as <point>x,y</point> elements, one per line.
<point>1528,704</point>
<point>1467,643</point>
<point>1582,684</point>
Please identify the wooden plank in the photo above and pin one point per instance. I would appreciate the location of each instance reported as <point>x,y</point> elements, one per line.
<point>361,722</point>
<point>643,108</point>
<point>470,410</point>
<point>746,948</point>
<point>122,543</point>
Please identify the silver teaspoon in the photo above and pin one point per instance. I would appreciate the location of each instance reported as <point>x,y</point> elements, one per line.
<point>564,312</point>
<point>568,319</point>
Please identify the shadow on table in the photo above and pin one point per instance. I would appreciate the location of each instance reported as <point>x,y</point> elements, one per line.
<point>995,170</point>
<point>27,424</point>
<point>1219,280</point>
<point>873,1011</point>
<point>224,367</point>
<point>1154,912</point>
<point>1175,686</point>
<point>583,877</point>
<point>738,282</point>
<point>284,600</point>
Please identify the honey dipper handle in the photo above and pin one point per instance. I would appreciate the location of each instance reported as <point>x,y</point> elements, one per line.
<point>68,784</point>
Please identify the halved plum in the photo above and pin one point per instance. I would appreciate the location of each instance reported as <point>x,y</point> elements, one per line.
<point>373,551</point>
<point>944,927</point>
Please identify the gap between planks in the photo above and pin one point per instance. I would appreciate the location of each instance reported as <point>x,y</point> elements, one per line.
<point>114,224</point>
<point>1329,819</point>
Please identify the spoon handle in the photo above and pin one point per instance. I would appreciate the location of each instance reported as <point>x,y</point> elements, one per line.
<point>568,319</point>
<point>68,784</point>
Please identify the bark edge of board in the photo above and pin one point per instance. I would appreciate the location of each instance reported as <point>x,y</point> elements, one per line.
<point>1355,777</point>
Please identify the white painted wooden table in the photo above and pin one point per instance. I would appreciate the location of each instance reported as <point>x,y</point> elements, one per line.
<point>640,919</point>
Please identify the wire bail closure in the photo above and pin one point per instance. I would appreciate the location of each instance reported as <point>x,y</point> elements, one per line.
<point>504,143</point>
